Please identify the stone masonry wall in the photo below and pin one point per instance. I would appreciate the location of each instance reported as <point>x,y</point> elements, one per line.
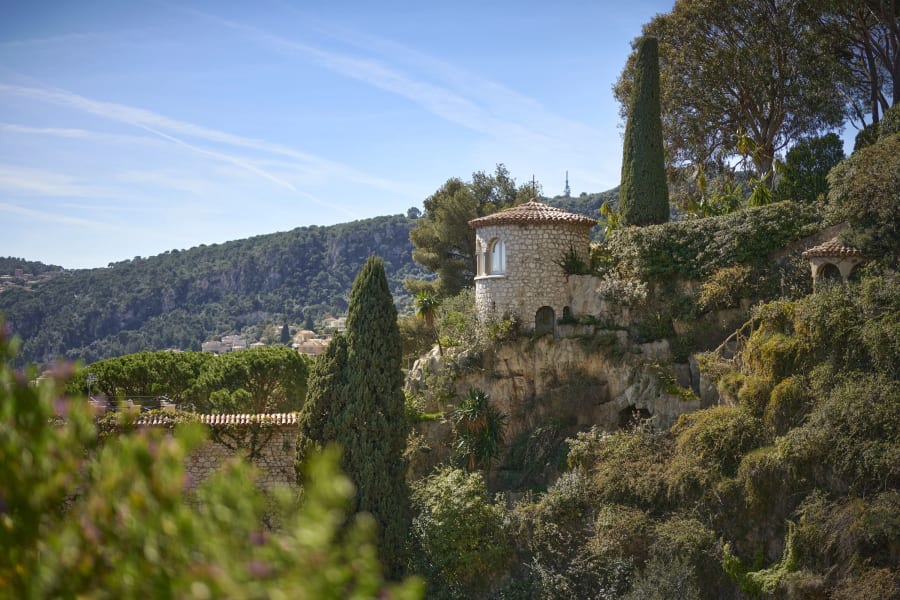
<point>273,458</point>
<point>533,275</point>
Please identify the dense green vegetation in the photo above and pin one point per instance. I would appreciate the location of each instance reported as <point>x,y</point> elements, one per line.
<point>87,518</point>
<point>865,192</point>
<point>9,264</point>
<point>644,194</point>
<point>806,167</point>
<point>182,298</point>
<point>258,380</point>
<point>444,242</point>
<point>694,249</point>
<point>787,486</point>
<point>356,403</point>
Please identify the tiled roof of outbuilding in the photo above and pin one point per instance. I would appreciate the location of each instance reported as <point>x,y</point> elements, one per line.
<point>532,212</point>
<point>161,418</point>
<point>833,248</point>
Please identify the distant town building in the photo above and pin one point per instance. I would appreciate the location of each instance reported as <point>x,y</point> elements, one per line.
<point>335,324</point>
<point>313,347</point>
<point>229,343</point>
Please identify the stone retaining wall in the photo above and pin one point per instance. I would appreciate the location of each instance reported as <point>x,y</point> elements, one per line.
<point>272,455</point>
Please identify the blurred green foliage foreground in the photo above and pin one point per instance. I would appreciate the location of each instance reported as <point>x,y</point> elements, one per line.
<point>87,517</point>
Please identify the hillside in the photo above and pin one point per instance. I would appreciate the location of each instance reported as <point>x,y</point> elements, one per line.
<point>587,205</point>
<point>181,298</point>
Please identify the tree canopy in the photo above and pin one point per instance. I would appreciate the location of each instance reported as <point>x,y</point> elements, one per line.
<point>806,166</point>
<point>442,239</point>
<point>744,78</point>
<point>865,36</point>
<point>865,192</point>
<point>257,380</point>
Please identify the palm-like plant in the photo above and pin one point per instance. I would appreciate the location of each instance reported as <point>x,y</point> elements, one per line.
<point>427,304</point>
<point>479,430</point>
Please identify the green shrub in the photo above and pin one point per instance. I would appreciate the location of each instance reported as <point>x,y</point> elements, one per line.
<point>863,191</point>
<point>709,445</point>
<point>788,405</point>
<point>555,531</point>
<point>572,263</point>
<point>766,481</point>
<point>890,122</point>
<point>865,137</point>
<point>622,531</point>
<point>696,248</point>
<point>625,467</point>
<point>851,439</point>
<point>850,531</point>
<point>459,534</point>
<point>754,395</point>
<point>665,578</point>
<point>726,287</point>
<point>682,539</point>
<point>729,384</point>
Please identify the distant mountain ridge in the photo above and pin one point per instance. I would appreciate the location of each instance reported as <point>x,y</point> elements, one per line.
<point>179,299</point>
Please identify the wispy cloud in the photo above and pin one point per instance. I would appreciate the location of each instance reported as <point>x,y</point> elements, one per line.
<point>51,217</point>
<point>447,91</point>
<point>75,134</point>
<point>17,180</point>
<point>183,133</point>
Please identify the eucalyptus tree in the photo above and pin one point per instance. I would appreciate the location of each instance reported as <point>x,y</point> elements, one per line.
<point>745,78</point>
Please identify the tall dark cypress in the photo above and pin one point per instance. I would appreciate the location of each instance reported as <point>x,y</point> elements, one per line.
<point>325,399</point>
<point>643,195</point>
<point>355,399</point>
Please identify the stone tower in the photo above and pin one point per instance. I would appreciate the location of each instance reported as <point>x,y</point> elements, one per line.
<point>519,251</point>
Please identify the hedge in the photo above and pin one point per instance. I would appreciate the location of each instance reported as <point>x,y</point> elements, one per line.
<point>696,248</point>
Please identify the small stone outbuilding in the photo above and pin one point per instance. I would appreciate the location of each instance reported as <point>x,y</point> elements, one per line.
<point>833,260</point>
<point>519,253</point>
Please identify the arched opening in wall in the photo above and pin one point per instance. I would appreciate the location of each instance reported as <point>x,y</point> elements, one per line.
<point>855,274</point>
<point>829,273</point>
<point>631,416</point>
<point>567,318</point>
<point>545,320</point>
<point>497,257</point>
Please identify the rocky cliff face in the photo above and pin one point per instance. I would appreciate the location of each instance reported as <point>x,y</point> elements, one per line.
<point>597,380</point>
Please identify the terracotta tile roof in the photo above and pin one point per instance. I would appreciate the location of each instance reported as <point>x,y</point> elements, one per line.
<point>833,248</point>
<point>532,212</point>
<point>218,420</point>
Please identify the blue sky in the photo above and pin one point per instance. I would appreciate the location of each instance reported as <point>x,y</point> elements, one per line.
<point>132,128</point>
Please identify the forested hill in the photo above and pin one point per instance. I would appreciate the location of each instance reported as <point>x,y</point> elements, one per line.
<point>179,299</point>
<point>587,205</point>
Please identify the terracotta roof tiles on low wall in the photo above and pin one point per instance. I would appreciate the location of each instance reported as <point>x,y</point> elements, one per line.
<point>221,420</point>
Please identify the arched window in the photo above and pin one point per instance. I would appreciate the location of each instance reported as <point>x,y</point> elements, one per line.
<point>479,258</point>
<point>497,257</point>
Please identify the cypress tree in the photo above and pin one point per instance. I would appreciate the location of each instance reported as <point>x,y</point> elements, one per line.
<point>324,400</point>
<point>356,400</point>
<point>643,195</point>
